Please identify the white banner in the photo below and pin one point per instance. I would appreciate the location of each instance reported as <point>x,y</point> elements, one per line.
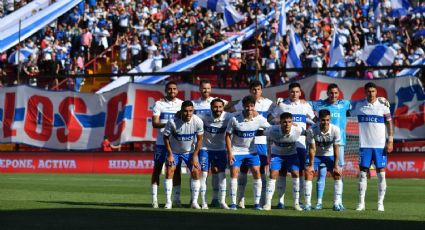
<point>69,120</point>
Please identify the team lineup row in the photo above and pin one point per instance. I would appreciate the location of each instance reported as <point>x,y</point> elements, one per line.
<point>210,133</point>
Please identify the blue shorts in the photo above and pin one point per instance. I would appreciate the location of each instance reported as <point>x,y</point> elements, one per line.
<point>327,161</point>
<point>379,157</point>
<point>261,149</point>
<point>209,158</point>
<point>160,154</point>
<point>186,157</point>
<point>248,160</point>
<point>289,163</point>
<point>341,156</point>
<point>302,156</point>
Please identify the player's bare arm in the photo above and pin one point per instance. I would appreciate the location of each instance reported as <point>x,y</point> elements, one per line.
<point>230,157</point>
<point>198,145</point>
<point>170,158</point>
<point>156,123</point>
<point>389,145</point>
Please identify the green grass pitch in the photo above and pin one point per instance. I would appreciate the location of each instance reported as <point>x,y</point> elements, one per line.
<point>65,201</point>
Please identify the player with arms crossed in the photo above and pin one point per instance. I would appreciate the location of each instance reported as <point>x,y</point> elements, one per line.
<point>374,117</point>
<point>301,113</point>
<point>262,106</point>
<point>240,134</point>
<point>183,139</point>
<point>202,106</point>
<point>323,140</point>
<point>164,110</point>
<point>339,109</point>
<point>284,155</point>
<point>213,153</point>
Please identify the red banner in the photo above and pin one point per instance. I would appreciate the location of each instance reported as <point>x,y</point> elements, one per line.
<point>410,147</point>
<point>76,163</point>
<point>406,165</point>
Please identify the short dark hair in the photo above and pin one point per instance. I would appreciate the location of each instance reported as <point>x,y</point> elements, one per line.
<point>216,100</point>
<point>293,85</point>
<point>170,83</point>
<point>254,84</point>
<point>324,113</point>
<point>369,85</point>
<point>186,104</point>
<point>285,116</point>
<point>248,100</point>
<point>332,86</point>
<point>204,82</point>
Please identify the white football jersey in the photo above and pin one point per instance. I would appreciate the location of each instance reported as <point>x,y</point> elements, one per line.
<point>204,106</point>
<point>371,118</point>
<point>324,141</point>
<point>300,112</point>
<point>183,134</point>
<point>243,133</point>
<point>283,144</point>
<point>166,110</point>
<point>215,131</point>
<point>262,106</point>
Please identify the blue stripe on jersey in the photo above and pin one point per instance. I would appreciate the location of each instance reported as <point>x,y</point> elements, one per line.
<point>284,144</point>
<point>263,113</point>
<point>299,118</point>
<point>211,129</point>
<point>370,118</point>
<point>202,111</point>
<point>166,116</point>
<point>324,144</point>
<point>184,137</point>
<point>245,134</point>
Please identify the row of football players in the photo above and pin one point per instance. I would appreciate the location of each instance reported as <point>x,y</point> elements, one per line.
<point>239,139</point>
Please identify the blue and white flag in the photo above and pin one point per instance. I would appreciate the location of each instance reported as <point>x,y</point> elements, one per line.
<point>282,20</point>
<point>336,54</point>
<point>314,3</point>
<point>377,10</point>
<point>214,5</point>
<point>231,16</point>
<point>295,49</point>
<point>399,8</point>
<point>378,55</point>
<point>412,71</point>
<point>420,33</point>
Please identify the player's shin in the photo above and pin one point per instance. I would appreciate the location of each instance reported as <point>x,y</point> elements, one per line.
<point>362,186</point>
<point>337,192</point>
<point>233,190</point>
<point>382,187</point>
<point>242,180</point>
<point>321,182</point>
<point>203,190</point>
<point>257,190</point>
<point>281,187</point>
<point>270,191</point>
<point>308,187</point>
<point>222,185</point>
<point>296,190</point>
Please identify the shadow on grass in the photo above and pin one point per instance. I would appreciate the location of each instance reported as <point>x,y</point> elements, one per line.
<point>121,218</point>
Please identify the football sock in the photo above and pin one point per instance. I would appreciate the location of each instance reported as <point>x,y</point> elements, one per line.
<point>281,187</point>
<point>382,187</point>
<point>168,186</point>
<point>257,190</point>
<point>154,192</point>
<point>203,190</point>
<point>307,193</point>
<point>362,186</point>
<point>296,190</point>
<point>242,179</point>
<point>215,186</point>
<point>195,185</point>
<point>270,190</point>
<point>337,191</point>
<point>233,189</point>
<point>320,184</point>
<point>222,179</point>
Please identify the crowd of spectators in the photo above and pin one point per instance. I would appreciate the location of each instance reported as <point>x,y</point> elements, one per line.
<point>8,6</point>
<point>168,31</point>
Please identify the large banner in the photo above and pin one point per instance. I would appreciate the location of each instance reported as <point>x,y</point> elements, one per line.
<point>69,120</point>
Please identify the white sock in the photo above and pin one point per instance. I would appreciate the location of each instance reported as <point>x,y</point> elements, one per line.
<point>168,186</point>
<point>296,190</point>
<point>154,192</point>
<point>222,184</point>
<point>215,185</point>
<point>256,184</point>
<point>233,189</point>
<point>263,188</point>
<point>203,191</point>
<point>337,192</point>
<point>362,186</point>
<point>242,180</point>
<point>281,187</point>
<point>308,187</point>
<point>176,194</point>
<point>382,187</point>
<point>302,182</point>
<point>195,185</point>
<point>270,190</point>
<point>319,200</point>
